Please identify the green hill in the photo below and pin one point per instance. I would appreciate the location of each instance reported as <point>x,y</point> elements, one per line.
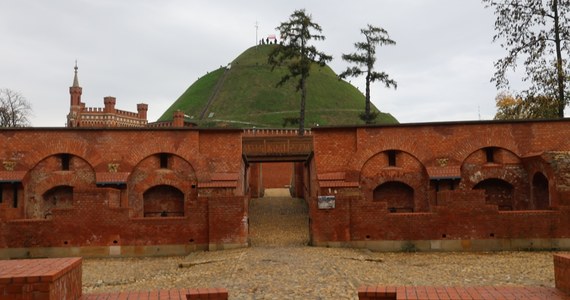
<point>244,94</point>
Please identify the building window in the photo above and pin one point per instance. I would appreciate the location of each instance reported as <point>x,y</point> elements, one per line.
<point>163,160</point>
<point>490,154</point>
<point>65,162</point>
<point>391,158</point>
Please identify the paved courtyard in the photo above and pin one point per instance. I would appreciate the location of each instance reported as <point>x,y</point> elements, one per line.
<point>280,265</point>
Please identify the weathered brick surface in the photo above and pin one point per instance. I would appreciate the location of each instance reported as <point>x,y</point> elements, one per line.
<point>60,206</point>
<point>140,187</point>
<point>381,292</point>
<point>562,272</point>
<point>428,192</point>
<point>50,279</point>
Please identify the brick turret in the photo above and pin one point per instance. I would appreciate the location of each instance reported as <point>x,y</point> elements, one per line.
<point>142,109</point>
<point>110,104</point>
<point>75,107</point>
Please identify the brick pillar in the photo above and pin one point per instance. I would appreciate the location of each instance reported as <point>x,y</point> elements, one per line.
<point>562,272</point>
<point>255,180</point>
<point>50,279</point>
<point>227,223</point>
<point>299,191</point>
<point>178,119</point>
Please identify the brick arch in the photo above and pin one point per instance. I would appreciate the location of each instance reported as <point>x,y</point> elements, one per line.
<point>374,143</point>
<point>471,146</point>
<point>189,162</point>
<point>386,149</point>
<point>538,164</point>
<point>375,172</point>
<point>474,173</point>
<point>44,177</point>
<point>507,167</point>
<point>147,174</point>
<point>138,154</point>
<point>70,146</point>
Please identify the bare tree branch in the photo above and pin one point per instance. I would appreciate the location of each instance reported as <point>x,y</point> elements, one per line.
<point>15,110</point>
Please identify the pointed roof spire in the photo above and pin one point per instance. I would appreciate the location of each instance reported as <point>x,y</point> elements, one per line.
<point>75,80</point>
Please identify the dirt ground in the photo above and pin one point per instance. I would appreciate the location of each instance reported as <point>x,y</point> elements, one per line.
<point>280,265</point>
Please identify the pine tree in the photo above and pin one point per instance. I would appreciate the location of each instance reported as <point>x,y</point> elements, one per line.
<point>364,59</point>
<point>297,54</point>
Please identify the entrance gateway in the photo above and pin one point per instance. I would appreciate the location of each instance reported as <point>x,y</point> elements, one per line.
<point>277,146</point>
<point>277,160</point>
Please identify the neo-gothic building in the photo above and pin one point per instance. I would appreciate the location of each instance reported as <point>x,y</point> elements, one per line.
<point>108,116</point>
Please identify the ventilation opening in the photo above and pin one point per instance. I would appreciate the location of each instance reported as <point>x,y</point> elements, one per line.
<point>392,158</point>
<point>163,160</point>
<point>490,154</point>
<point>65,158</point>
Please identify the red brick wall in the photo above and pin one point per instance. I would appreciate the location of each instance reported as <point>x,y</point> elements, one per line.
<point>458,211</point>
<point>111,170</point>
<point>277,175</point>
<point>112,214</point>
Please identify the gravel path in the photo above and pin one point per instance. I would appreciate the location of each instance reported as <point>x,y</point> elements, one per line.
<point>279,265</point>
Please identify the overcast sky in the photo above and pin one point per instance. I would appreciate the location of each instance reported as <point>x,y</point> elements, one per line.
<point>151,51</point>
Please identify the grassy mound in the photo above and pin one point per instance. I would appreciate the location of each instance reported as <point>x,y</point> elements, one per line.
<point>245,95</point>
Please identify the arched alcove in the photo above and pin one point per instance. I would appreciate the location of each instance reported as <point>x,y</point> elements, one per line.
<point>163,201</point>
<point>57,197</point>
<point>160,169</point>
<point>51,182</point>
<point>399,196</point>
<point>498,192</point>
<point>540,193</point>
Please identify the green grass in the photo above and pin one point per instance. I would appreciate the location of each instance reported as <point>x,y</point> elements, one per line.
<point>195,97</point>
<point>249,97</point>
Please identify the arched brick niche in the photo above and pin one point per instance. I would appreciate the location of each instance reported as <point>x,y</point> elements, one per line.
<point>399,197</point>
<point>163,201</point>
<point>497,192</point>
<point>501,173</point>
<point>57,197</point>
<point>161,172</point>
<point>394,173</point>
<point>50,184</point>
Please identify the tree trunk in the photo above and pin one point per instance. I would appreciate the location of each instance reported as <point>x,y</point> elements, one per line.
<point>559,69</point>
<point>303,98</point>
<point>367,105</point>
